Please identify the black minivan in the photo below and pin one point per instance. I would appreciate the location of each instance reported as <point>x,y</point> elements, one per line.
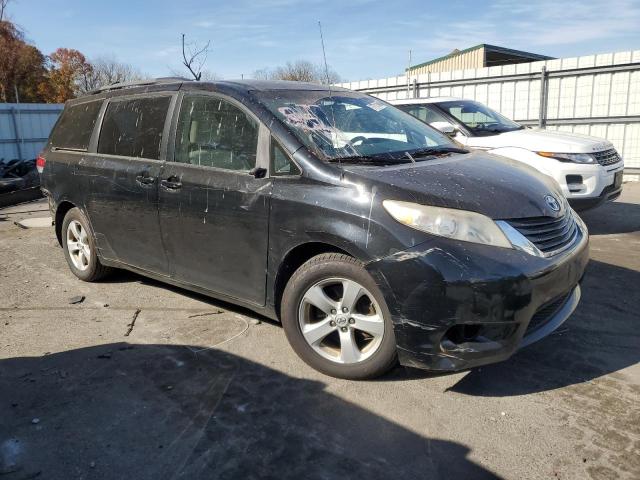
<point>371,236</point>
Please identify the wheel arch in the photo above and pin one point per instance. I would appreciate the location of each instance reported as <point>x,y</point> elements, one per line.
<point>61,211</point>
<point>294,258</point>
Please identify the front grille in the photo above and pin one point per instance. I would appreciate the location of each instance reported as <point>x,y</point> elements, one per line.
<point>548,234</point>
<point>546,313</point>
<point>607,157</point>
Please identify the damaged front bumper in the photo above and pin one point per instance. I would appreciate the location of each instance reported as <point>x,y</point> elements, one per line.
<point>457,305</point>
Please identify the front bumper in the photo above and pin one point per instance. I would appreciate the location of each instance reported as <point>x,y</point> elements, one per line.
<point>588,184</point>
<point>457,305</point>
<point>610,192</point>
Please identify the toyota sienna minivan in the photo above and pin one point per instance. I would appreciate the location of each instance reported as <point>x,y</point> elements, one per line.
<point>370,235</point>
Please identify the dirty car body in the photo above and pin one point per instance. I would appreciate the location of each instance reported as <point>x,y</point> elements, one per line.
<point>238,226</point>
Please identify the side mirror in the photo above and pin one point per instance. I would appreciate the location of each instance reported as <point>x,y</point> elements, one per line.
<point>445,127</point>
<point>258,172</point>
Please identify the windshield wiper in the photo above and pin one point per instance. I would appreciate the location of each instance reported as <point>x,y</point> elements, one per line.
<point>425,152</point>
<point>367,159</point>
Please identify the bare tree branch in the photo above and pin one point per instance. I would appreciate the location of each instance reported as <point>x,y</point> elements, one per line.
<point>196,57</point>
<point>300,70</point>
<point>107,70</point>
<point>3,6</point>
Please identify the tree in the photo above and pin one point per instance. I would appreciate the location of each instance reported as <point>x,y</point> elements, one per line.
<point>69,75</point>
<point>22,67</point>
<point>194,57</point>
<point>106,70</point>
<point>299,70</point>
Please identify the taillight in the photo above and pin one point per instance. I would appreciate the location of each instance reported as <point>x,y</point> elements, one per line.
<point>40,163</point>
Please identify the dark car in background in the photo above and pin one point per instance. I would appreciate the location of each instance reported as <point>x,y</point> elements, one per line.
<point>19,181</point>
<point>371,236</point>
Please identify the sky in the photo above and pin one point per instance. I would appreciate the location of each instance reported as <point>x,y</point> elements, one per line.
<point>364,39</point>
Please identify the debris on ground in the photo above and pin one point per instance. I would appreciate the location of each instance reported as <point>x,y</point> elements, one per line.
<point>206,314</point>
<point>77,299</point>
<point>133,323</point>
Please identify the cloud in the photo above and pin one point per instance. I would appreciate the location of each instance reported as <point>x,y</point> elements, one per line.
<point>540,24</point>
<point>167,52</point>
<point>549,22</point>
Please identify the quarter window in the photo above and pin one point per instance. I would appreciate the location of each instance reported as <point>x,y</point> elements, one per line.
<point>133,128</point>
<point>281,164</point>
<point>215,133</point>
<point>73,130</point>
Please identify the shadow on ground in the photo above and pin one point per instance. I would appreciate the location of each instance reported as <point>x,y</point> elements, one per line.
<point>601,337</point>
<point>613,217</point>
<point>163,412</point>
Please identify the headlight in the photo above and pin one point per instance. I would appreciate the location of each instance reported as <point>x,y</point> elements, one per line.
<point>448,222</point>
<point>570,157</point>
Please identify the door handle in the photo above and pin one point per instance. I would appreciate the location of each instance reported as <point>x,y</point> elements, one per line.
<point>144,179</point>
<point>171,183</point>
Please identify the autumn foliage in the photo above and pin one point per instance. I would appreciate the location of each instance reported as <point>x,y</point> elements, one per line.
<point>22,67</point>
<point>69,71</point>
<point>34,77</point>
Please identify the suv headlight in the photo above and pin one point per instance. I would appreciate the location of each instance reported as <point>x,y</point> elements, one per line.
<point>570,157</point>
<point>448,222</point>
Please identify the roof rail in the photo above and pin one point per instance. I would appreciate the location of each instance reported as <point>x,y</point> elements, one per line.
<point>139,83</point>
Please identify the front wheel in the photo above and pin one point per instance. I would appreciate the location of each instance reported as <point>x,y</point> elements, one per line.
<point>336,319</point>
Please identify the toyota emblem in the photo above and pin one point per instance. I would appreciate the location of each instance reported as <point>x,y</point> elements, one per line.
<point>552,202</point>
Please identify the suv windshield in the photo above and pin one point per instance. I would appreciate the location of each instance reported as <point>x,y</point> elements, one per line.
<point>480,120</point>
<point>343,125</point>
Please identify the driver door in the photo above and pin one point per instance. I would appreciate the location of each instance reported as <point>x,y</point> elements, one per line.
<point>214,203</point>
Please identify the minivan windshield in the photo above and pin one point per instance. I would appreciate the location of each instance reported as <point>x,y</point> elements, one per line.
<point>350,126</point>
<point>479,119</point>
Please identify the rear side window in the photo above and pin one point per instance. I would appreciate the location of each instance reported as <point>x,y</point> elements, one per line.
<point>73,130</point>
<point>133,128</point>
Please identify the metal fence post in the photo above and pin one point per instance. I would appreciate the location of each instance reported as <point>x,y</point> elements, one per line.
<point>544,91</point>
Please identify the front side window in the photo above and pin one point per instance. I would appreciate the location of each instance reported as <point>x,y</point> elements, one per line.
<point>479,119</point>
<point>133,128</point>
<point>73,130</point>
<point>343,125</point>
<point>215,133</point>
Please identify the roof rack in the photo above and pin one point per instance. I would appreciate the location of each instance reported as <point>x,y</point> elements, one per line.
<point>140,83</point>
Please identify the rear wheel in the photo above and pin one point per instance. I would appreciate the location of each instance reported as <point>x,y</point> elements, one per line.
<point>336,319</point>
<point>79,247</point>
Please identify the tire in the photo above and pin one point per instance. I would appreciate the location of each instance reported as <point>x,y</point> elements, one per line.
<point>366,323</point>
<point>86,265</point>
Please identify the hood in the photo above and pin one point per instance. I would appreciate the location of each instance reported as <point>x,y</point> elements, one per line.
<point>480,182</point>
<point>543,140</point>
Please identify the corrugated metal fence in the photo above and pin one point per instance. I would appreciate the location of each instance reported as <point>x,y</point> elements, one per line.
<point>596,95</point>
<point>25,127</point>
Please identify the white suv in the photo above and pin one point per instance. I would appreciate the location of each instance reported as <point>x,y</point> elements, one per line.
<point>588,169</point>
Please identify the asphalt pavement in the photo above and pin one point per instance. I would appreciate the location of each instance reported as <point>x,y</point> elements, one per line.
<point>140,380</point>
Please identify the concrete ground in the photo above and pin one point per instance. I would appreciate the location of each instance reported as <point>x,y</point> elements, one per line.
<point>144,381</point>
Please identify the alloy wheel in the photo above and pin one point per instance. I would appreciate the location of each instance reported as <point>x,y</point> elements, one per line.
<point>78,245</point>
<point>341,320</point>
